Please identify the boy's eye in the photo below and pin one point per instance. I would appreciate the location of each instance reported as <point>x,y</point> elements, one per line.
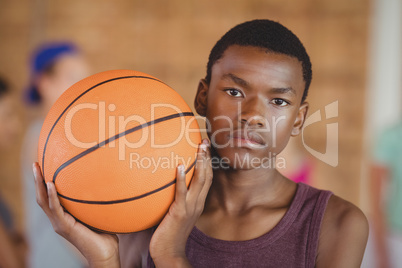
<point>233,92</point>
<point>280,102</point>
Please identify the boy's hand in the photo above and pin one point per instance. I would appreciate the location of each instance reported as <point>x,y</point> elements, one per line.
<point>101,250</point>
<point>169,240</point>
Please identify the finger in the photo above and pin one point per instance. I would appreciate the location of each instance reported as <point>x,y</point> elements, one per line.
<point>54,202</point>
<point>181,188</point>
<point>40,190</point>
<point>198,181</point>
<point>208,178</point>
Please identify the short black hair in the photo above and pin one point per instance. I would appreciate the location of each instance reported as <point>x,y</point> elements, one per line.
<point>266,34</point>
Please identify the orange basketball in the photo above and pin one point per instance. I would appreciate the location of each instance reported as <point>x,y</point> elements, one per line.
<point>111,144</point>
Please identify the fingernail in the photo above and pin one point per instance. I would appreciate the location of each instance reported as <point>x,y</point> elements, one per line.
<point>34,170</point>
<point>203,147</point>
<point>48,185</point>
<point>181,168</point>
<point>205,141</point>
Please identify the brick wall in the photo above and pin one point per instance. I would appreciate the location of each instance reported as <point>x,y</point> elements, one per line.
<point>171,40</point>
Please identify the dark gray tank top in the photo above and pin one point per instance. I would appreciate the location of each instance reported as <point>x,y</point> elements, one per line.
<point>292,242</point>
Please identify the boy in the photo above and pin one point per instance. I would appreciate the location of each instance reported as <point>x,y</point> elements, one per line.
<point>239,211</point>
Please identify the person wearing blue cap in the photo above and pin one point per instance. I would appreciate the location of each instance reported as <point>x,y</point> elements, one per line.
<point>54,68</point>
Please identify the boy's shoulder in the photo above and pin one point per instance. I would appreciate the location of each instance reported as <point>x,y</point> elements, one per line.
<point>339,211</point>
<point>343,234</point>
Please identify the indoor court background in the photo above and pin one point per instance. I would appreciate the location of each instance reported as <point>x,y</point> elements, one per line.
<point>171,40</point>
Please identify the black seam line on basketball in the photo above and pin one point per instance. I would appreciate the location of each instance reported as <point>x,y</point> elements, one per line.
<point>122,134</point>
<point>77,98</point>
<point>126,199</point>
<point>90,226</point>
<point>94,228</point>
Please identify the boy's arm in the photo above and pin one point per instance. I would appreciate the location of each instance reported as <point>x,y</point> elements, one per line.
<point>134,248</point>
<point>100,250</point>
<point>343,235</point>
<point>167,247</point>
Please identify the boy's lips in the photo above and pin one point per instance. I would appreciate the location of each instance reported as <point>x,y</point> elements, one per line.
<point>248,137</point>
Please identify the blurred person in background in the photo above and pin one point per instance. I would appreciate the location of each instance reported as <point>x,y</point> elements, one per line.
<point>54,68</point>
<point>12,243</point>
<point>386,197</point>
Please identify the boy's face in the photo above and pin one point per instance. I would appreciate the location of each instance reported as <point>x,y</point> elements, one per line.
<point>252,104</point>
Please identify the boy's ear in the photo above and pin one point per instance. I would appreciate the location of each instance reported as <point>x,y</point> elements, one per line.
<point>300,119</point>
<point>201,98</point>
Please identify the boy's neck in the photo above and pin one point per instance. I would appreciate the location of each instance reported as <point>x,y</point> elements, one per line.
<point>240,190</point>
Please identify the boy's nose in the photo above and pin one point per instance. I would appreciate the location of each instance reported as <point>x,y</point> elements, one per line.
<point>253,113</point>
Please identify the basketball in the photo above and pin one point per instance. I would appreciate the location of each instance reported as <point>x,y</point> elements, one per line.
<point>111,144</point>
